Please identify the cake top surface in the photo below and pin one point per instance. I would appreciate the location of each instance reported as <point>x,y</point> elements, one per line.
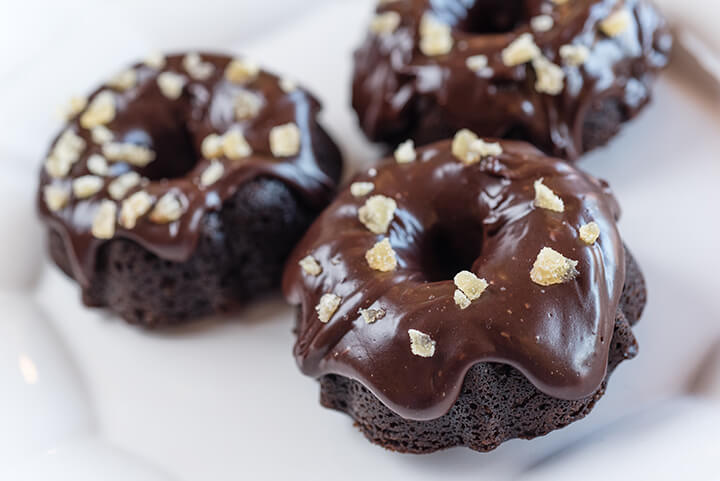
<point>528,69</point>
<point>464,251</point>
<point>168,139</point>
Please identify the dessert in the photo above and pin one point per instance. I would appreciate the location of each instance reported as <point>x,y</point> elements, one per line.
<point>563,75</point>
<point>178,188</point>
<point>478,293</point>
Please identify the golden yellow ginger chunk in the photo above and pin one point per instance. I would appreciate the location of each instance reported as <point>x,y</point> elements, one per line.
<point>589,233</point>
<point>545,198</point>
<point>377,213</point>
<point>551,267</point>
<point>310,265</point>
<point>327,306</point>
<point>421,344</point>
<point>381,256</point>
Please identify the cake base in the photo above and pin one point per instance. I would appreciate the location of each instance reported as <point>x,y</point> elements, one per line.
<point>240,255</point>
<point>496,403</point>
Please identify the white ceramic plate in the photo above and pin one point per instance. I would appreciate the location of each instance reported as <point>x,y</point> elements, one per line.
<point>87,397</point>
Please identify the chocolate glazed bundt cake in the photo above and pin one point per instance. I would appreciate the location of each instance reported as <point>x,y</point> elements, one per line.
<point>179,187</point>
<point>563,75</point>
<point>473,292</point>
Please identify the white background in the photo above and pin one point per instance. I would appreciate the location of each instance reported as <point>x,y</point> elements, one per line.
<point>86,397</point>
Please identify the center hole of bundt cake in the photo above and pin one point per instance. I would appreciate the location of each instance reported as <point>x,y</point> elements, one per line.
<point>483,16</point>
<point>175,155</point>
<point>450,247</point>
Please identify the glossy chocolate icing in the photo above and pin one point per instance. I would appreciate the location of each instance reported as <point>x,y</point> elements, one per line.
<point>452,217</point>
<point>174,130</point>
<point>398,92</point>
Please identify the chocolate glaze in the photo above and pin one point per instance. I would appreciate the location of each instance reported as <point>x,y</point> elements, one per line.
<point>452,217</point>
<point>175,129</point>
<point>398,92</point>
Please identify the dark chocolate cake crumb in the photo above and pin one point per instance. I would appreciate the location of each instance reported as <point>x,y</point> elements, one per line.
<point>497,402</point>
